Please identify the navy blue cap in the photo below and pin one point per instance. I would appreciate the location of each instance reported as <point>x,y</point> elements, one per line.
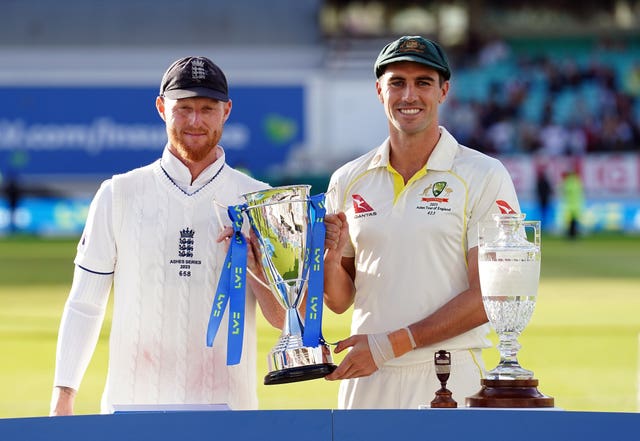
<point>192,77</point>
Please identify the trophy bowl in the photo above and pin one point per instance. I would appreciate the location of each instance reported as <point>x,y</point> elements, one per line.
<point>509,268</point>
<point>282,219</point>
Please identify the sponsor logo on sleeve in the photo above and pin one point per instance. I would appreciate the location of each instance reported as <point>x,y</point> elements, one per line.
<point>504,207</point>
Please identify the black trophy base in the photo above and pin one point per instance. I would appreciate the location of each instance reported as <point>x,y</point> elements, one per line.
<point>300,373</point>
<point>509,393</point>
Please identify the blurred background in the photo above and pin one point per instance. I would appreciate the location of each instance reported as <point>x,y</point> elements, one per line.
<point>552,88</point>
<point>549,87</point>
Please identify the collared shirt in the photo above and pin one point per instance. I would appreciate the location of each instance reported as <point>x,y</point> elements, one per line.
<point>181,176</point>
<point>410,241</point>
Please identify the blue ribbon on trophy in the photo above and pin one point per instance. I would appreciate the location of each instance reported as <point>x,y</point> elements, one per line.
<point>312,335</point>
<point>231,290</point>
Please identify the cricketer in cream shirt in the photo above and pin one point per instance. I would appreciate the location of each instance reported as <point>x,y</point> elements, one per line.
<point>156,231</point>
<point>410,247</point>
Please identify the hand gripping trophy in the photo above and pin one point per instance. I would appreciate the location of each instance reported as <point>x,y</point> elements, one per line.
<point>289,225</point>
<point>509,267</point>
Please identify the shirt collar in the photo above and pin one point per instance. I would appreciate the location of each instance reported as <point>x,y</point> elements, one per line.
<point>444,153</point>
<point>381,157</point>
<point>181,175</point>
<point>440,159</point>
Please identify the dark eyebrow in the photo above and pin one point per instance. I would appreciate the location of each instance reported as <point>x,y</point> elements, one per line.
<point>425,77</point>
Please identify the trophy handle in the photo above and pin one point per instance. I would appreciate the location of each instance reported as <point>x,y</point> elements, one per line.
<point>535,226</point>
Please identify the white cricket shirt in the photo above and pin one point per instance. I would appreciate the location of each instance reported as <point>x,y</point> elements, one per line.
<point>156,231</point>
<point>410,242</point>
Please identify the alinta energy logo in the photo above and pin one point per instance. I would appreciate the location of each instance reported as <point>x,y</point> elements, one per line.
<point>361,208</point>
<point>281,130</point>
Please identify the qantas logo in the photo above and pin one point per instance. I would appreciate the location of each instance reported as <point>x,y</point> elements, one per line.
<point>504,207</point>
<point>360,205</point>
<point>361,208</point>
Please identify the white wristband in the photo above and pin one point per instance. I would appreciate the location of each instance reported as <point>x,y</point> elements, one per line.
<point>411,339</point>
<point>380,347</point>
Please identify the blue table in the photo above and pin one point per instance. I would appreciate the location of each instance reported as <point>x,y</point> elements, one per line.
<point>330,425</point>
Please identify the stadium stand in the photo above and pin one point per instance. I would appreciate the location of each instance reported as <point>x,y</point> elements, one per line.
<point>551,101</point>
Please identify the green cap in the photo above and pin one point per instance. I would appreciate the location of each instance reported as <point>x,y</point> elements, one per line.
<point>413,48</point>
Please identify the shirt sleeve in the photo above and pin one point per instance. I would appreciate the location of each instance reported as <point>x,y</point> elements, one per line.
<point>498,195</point>
<point>80,326</point>
<point>97,250</point>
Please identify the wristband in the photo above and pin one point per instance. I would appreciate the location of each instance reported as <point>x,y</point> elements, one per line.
<point>413,342</point>
<point>380,347</point>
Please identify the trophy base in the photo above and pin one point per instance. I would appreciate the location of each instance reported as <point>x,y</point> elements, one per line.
<point>299,373</point>
<point>509,393</point>
<point>443,400</point>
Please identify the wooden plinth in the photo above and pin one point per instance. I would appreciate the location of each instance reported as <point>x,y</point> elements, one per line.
<point>444,400</point>
<point>509,393</point>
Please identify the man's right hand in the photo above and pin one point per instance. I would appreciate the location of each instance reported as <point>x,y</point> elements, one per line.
<point>337,233</point>
<point>62,401</point>
<point>339,271</point>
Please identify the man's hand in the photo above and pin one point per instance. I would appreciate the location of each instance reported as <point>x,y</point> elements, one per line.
<point>225,236</point>
<point>62,401</point>
<point>357,363</point>
<point>337,233</point>
<point>339,271</point>
<point>254,255</point>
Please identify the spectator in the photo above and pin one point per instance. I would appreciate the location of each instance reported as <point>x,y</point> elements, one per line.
<point>13,194</point>
<point>535,98</point>
<point>573,203</point>
<point>544,192</point>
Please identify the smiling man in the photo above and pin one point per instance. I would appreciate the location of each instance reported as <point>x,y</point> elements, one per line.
<point>154,235</point>
<point>402,242</point>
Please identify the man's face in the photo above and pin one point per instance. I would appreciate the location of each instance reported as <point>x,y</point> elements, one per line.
<point>411,93</point>
<point>194,125</point>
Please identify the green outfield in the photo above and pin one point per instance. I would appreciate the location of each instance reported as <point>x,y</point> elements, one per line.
<point>582,342</point>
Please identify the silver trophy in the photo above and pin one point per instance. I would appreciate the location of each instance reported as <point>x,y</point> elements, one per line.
<point>280,219</point>
<point>509,268</point>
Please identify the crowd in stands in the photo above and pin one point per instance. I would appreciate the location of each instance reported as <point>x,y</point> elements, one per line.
<point>504,102</point>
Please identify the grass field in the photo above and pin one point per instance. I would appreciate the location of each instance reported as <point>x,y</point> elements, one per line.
<point>582,342</point>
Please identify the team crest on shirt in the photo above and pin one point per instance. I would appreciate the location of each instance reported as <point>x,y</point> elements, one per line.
<point>435,198</point>
<point>361,208</point>
<point>185,252</point>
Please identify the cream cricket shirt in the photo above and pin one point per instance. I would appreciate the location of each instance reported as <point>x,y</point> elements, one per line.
<point>157,233</point>
<point>410,242</point>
